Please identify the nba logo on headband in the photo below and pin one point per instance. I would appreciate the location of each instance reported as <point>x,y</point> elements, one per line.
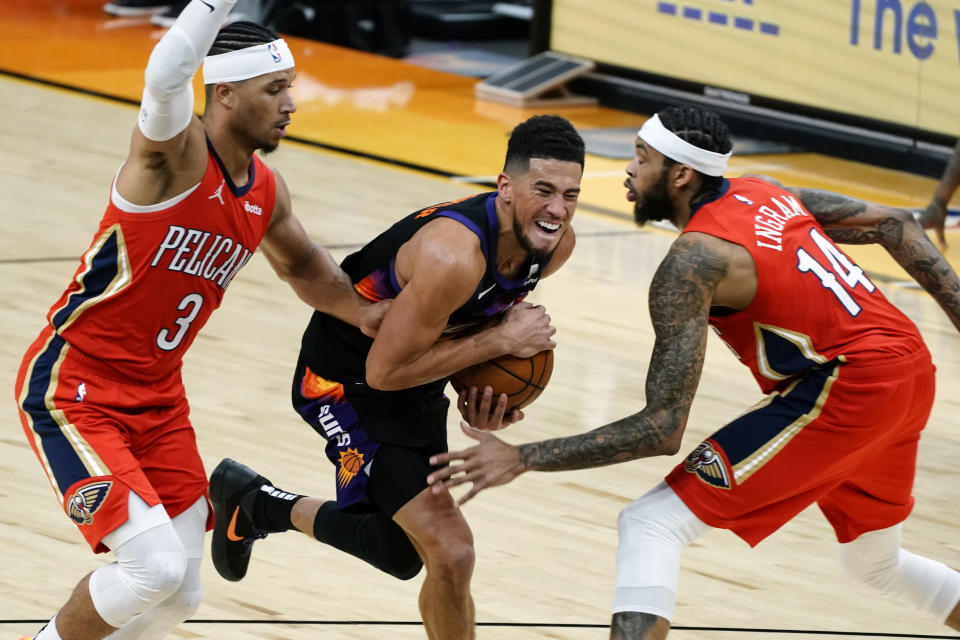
<point>243,64</point>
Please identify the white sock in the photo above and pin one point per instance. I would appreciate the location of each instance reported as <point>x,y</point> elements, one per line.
<point>49,632</point>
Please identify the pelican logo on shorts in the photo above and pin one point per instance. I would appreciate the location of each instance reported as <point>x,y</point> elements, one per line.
<point>274,52</point>
<point>85,501</point>
<point>349,465</point>
<point>708,465</point>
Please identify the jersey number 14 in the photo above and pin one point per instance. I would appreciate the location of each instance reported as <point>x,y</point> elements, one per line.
<point>841,274</point>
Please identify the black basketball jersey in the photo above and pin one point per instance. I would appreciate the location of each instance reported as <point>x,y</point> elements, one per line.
<point>337,351</point>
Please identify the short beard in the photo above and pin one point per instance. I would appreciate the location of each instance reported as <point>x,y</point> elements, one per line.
<point>524,241</point>
<point>654,204</point>
<point>243,135</point>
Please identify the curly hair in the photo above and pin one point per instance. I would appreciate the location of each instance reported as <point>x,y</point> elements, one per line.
<point>549,137</point>
<point>240,35</point>
<point>703,129</point>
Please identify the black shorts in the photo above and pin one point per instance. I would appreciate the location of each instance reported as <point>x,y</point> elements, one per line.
<point>379,442</point>
<point>397,476</point>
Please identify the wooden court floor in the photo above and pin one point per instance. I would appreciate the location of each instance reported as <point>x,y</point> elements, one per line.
<point>546,543</point>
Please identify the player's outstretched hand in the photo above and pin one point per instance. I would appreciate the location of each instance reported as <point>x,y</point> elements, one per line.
<point>481,413</point>
<point>935,217</point>
<point>488,464</point>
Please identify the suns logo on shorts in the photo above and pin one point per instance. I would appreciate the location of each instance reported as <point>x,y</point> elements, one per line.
<point>86,500</point>
<point>708,465</point>
<point>349,465</point>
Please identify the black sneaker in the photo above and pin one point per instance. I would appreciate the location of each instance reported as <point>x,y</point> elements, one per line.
<point>136,7</point>
<point>234,532</point>
<point>167,17</point>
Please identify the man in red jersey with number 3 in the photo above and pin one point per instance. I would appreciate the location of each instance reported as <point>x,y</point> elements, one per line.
<point>100,392</point>
<point>849,381</point>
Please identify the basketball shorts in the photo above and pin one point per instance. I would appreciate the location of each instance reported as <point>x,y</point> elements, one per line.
<point>100,435</point>
<point>844,436</point>
<point>371,472</point>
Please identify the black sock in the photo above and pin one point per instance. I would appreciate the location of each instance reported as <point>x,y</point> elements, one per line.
<point>372,537</point>
<point>270,510</point>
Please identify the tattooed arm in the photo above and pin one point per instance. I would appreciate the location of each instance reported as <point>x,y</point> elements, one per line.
<point>851,221</point>
<point>680,296</point>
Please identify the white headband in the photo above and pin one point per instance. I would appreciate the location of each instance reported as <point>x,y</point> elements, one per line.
<point>669,144</point>
<point>244,64</point>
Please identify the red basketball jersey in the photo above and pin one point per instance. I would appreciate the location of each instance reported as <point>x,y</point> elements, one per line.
<point>813,303</point>
<point>153,275</point>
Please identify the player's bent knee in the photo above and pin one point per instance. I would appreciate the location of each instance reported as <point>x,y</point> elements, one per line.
<point>870,564</point>
<point>455,560</point>
<point>654,530</point>
<point>876,559</point>
<point>184,604</point>
<point>121,591</point>
<point>161,576</point>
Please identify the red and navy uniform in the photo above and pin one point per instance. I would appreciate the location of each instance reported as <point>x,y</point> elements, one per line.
<point>849,381</point>
<point>329,387</point>
<point>100,394</point>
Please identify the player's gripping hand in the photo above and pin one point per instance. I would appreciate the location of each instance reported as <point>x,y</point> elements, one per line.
<point>492,462</point>
<point>373,317</point>
<point>480,412</point>
<point>526,330</point>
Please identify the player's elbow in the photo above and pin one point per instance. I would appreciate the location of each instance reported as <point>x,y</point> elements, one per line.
<point>672,424</point>
<point>382,378</point>
<point>670,445</point>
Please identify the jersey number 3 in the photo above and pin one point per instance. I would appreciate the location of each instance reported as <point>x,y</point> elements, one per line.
<point>191,304</point>
<point>840,265</point>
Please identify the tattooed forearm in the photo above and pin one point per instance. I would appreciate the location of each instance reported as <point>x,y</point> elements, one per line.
<point>912,249</point>
<point>680,296</point>
<point>641,435</point>
<point>829,207</point>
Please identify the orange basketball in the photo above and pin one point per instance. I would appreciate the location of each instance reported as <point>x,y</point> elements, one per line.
<point>522,379</point>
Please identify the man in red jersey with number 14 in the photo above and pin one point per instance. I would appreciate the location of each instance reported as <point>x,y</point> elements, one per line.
<point>849,381</point>
<point>100,392</point>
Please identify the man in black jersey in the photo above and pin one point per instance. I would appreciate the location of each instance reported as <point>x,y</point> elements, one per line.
<point>447,269</point>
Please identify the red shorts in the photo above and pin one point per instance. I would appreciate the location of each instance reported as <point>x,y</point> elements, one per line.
<point>100,435</point>
<point>842,436</point>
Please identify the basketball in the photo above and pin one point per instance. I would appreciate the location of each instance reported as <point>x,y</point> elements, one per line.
<point>522,379</point>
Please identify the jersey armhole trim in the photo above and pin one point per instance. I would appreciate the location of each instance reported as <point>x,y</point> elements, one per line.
<point>128,207</point>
